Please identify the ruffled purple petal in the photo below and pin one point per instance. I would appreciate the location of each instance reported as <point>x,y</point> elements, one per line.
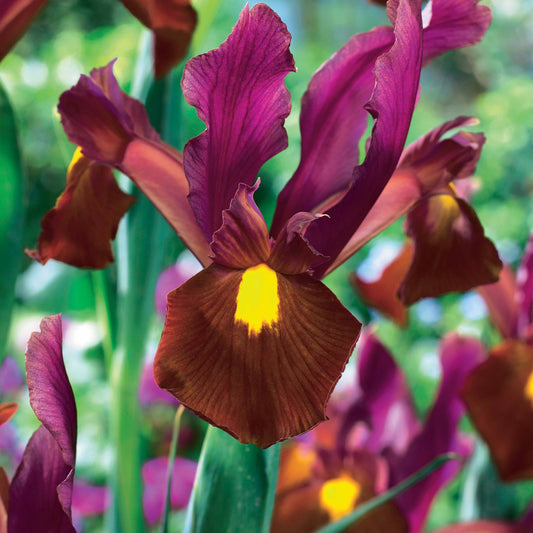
<point>41,490</point>
<point>332,121</point>
<point>397,76</point>
<point>450,24</point>
<point>458,355</point>
<point>239,93</point>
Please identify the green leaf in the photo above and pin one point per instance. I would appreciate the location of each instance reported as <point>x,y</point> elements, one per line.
<point>234,488</point>
<point>340,525</point>
<point>11,213</point>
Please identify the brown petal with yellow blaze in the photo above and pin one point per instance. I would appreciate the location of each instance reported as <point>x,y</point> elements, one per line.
<point>382,294</point>
<point>88,211</point>
<point>7,410</point>
<point>451,250</point>
<point>254,352</point>
<point>499,396</point>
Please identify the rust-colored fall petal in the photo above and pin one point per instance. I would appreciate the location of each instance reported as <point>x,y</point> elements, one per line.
<point>88,211</point>
<point>7,410</point>
<point>254,352</point>
<point>382,294</point>
<point>15,18</point>
<point>499,396</point>
<point>173,23</point>
<point>451,250</point>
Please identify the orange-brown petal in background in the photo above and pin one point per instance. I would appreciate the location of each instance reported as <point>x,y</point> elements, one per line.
<point>499,396</point>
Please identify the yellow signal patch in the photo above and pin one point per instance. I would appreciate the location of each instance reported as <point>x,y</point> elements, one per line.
<point>529,388</point>
<point>339,495</point>
<point>257,299</point>
<point>75,158</point>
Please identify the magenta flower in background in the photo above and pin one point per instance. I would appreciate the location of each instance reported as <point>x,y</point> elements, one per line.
<point>255,342</point>
<point>373,444</point>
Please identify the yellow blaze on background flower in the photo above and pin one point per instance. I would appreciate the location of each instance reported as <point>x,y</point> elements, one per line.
<point>257,298</point>
<point>529,387</point>
<point>339,495</point>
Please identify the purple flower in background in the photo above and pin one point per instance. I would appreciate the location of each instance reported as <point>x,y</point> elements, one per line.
<point>254,343</point>
<point>373,444</point>
<point>39,497</point>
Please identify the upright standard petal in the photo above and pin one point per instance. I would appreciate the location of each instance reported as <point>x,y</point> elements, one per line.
<point>41,491</point>
<point>78,230</point>
<point>450,24</point>
<point>15,18</point>
<point>397,76</point>
<point>239,92</point>
<point>113,128</point>
<point>173,23</point>
<point>332,121</point>
<point>451,250</point>
<point>458,355</point>
<point>499,396</point>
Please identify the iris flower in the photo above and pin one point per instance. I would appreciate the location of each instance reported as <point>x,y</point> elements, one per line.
<point>499,392</point>
<point>447,250</point>
<point>172,23</point>
<point>39,497</point>
<point>373,441</point>
<point>255,342</point>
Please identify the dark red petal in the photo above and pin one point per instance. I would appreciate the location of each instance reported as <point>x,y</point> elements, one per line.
<point>173,23</point>
<point>4,500</point>
<point>242,241</point>
<point>451,250</point>
<point>501,300</point>
<point>499,396</point>
<point>436,162</point>
<point>79,229</point>
<point>239,93</point>
<point>382,294</point>
<point>261,371</point>
<point>7,410</point>
<point>15,18</point>
<point>292,253</point>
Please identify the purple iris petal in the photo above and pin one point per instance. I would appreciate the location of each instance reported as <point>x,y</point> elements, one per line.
<point>450,24</point>
<point>239,93</point>
<point>11,379</point>
<point>40,496</point>
<point>524,280</point>
<point>89,500</point>
<point>459,355</point>
<point>154,474</point>
<point>332,121</point>
<point>397,76</point>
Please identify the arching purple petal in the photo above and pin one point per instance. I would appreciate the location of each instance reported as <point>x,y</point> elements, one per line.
<point>332,121</point>
<point>239,92</point>
<point>41,490</point>
<point>458,355</point>
<point>524,281</point>
<point>154,475</point>
<point>450,24</point>
<point>397,76</point>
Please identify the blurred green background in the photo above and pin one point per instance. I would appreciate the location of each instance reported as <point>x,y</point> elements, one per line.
<point>492,81</point>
